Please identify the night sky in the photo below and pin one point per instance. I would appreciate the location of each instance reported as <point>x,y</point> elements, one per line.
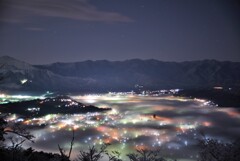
<point>46,31</point>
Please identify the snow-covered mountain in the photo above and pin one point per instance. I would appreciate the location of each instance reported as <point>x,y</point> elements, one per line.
<point>10,63</point>
<point>102,75</point>
<point>18,75</point>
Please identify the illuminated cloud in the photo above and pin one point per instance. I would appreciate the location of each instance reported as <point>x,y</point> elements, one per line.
<point>16,11</point>
<point>176,129</point>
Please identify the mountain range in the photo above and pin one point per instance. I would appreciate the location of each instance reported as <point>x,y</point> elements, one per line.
<point>104,76</point>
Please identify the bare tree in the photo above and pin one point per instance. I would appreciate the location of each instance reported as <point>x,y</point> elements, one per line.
<point>16,129</point>
<point>3,124</point>
<point>64,156</point>
<point>16,146</point>
<point>18,136</point>
<point>146,155</point>
<point>92,154</point>
<point>214,150</point>
<point>113,156</point>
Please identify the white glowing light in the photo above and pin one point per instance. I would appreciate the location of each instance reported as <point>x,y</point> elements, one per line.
<point>68,122</point>
<point>91,99</point>
<point>47,117</point>
<point>2,95</point>
<point>23,81</point>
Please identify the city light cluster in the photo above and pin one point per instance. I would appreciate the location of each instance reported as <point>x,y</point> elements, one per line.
<point>134,121</point>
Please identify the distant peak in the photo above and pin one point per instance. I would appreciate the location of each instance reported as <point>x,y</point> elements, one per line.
<point>7,57</point>
<point>8,61</point>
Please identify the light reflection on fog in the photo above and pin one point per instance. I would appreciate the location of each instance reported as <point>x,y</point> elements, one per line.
<point>173,123</point>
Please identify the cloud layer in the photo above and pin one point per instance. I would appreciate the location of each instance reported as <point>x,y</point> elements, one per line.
<point>16,10</point>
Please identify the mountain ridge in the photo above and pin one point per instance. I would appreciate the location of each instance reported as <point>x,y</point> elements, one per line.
<point>104,75</point>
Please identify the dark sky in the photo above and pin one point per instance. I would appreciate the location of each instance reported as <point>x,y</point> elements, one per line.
<point>45,31</point>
